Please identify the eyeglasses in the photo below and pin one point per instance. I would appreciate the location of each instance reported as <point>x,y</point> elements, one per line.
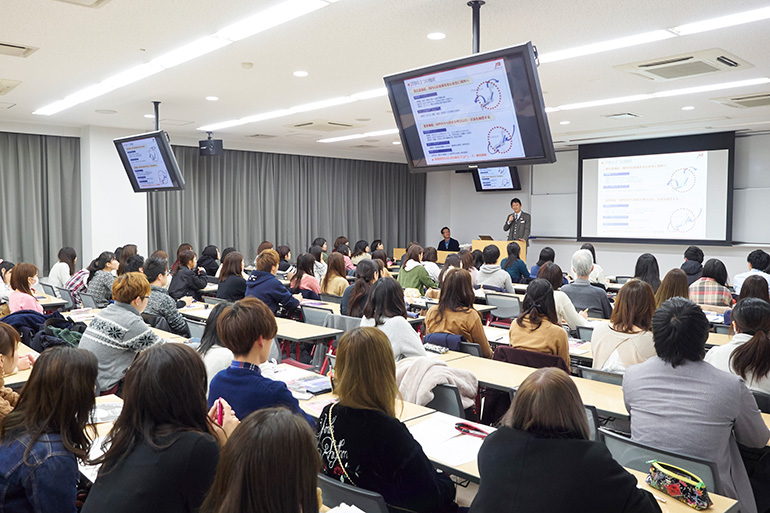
<point>144,297</point>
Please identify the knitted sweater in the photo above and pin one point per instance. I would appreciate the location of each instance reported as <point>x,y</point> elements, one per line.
<point>336,286</point>
<point>415,276</point>
<point>8,400</point>
<point>115,336</point>
<point>100,287</point>
<point>161,304</point>
<point>404,340</point>
<point>548,338</point>
<point>59,275</point>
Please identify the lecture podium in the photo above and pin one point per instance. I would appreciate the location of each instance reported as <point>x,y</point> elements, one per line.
<point>502,245</point>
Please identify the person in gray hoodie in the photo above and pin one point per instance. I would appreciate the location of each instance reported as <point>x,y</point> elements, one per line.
<point>490,273</point>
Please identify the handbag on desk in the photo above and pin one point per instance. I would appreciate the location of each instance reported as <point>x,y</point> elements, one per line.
<point>680,484</point>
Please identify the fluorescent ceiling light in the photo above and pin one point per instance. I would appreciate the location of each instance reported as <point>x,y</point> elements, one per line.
<point>190,51</point>
<point>605,46</point>
<point>689,107</point>
<point>212,98</point>
<point>150,116</point>
<point>436,36</point>
<point>332,102</point>
<point>396,142</point>
<point>564,122</point>
<point>723,21</point>
<point>390,131</point>
<point>374,93</point>
<point>300,74</point>
<point>269,18</point>
<point>660,94</point>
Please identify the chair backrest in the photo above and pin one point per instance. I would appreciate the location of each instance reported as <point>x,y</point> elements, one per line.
<point>196,328</point>
<point>87,300</point>
<point>335,493</point>
<point>215,300</point>
<point>715,309</point>
<point>529,358</point>
<point>446,399</point>
<point>49,289</point>
<point>156,321</point>
<point>315,315</point>
<point>470,348</point>
<point>635,455</point>
<point>724,329</point>
<point>66,294</point>
<point>593,422</point>
<point>585,333</point>
<point>600,375</point>
<point>763,401</point>
<point>331,298</point>
<point>507,306</point>
<point>622,279</point>
<point>493,288</point>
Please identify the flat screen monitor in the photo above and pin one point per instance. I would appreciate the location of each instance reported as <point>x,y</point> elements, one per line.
<point>676,190</point>
<point>149,162</point>
<point>496,179</point>
<point>483,110</point>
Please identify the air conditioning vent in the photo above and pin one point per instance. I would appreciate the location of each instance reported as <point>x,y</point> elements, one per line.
<point>86,3</point>
<point>365,146</point>
<point>16,50</point>
<point>623,115</point>
<point>694,64</point>
<point>261,136</point>
<point>7,85</point>
<point>745,101</point>
<point>322,125</point>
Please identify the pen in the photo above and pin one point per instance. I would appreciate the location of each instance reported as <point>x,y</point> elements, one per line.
<point>220,412</point>
<point>469,429</point>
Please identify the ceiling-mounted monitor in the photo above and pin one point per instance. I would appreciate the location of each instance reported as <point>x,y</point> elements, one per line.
<point>491,179</point>
<point>149,162</point>
<point>485,110</point>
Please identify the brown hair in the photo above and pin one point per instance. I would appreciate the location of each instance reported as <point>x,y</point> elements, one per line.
<point>246,479</point>
<point>456,293</point>
<point>164,393</point>
<point>674,284</point>
<point>243,323</point>
<point>232,264</point>
<point>413,253</point>
<point>466,259</point>
<point>752,359</point>
<point>547,404</point>
<point>130,286</point>
<point>127,252</point>
<point>263,246</point>
<point>58,398</point>
<point>266,260</point>
<point>365,371</point>
<point>753,286</point>
<point>9,340</point>
<point>538,304</point>
<point>551,273</point>
<point>339,241</point>
<point>429,254</point>
<point>379,254</point>
<point>336,268</point>
<point>181,249</point>
<point>159,253</point>
<point>634,307</point>
<point>20,277</point>
<point>186,257</point>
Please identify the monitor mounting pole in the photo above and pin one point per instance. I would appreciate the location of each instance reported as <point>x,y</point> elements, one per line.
<point>157,116</point>
<point>475,5</point>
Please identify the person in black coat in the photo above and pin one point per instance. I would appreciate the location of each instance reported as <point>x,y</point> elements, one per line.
<point>541,460</point>
<point>189,278</point>
<point>232,285</point>
<point>209,260</point>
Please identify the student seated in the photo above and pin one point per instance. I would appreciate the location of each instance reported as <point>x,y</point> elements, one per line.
<point>647,270</point>
<point>490,273</point>
<point>335,282</point>
<point>215,355</point>
<point>23,280</point>
<point>100,278</point>
<point>467,263</point>
<point>6,271</point>
<point>263,285</point>
<point>321,243</point>
<point>181,249</point>
<point>284,254</point>
<point>319,266</point>
<point>361,441</point>
<point>627,339</point>
<point>160,303</point>
<point>547,254</point>
<point>122,254</point>
<point>210,260</point>
<point>45,435</point>
<point>455,313</point>
<point>9,361</point>
<point>429,259</point>
<point>361,251</point>
<point>386,310</point>
<point>118,332</point>
<point>339,241</point>
<point>582,294</point>
<point>134,264</point>
<point>412,275</point>
<point>692,266</point>
<point>514,265</point>
<point>232,286</point>
<point>565,310</point>
<point>379,254</point>
<point>746,355</point>
<point>63,270</point>
<point>189,278</point>
<point>544,437</point>
<point>226,252</point>
<point>355,296</point>
<point>537,328</point>
<point>246,480</point>
<point>674,284</point>
<point>162,450</point>
<point>711,288</point>
<point>758,262</point>
<point>247,328</point>
<point>344,250</point>
<point>753,286</point>
<point>304,282</point>
<point>450,262</point>
<point>597,274</point>
<point>720,411</point>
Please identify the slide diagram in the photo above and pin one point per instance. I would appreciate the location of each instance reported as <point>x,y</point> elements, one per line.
<point>147,163</point>
<point>653,196</point>
<point>492,178</point>
<point>466,114</point>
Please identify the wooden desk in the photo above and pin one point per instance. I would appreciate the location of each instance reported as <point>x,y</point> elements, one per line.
<point>335,309</point>
<point>502,246</point>
<point>18,378</point>
<point>102,429</point>
<point>49,302</point>
<point>210,289</point>
<point>448,356</point>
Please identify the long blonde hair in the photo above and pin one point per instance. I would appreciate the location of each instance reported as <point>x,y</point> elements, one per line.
<point>365,371</point>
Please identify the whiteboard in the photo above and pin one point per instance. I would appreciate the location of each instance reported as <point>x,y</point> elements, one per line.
<point>554,215</point>
<point>751,211</point>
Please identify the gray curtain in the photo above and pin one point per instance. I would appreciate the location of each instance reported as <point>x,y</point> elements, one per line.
<point>39,198</point>
<point>242,198</point>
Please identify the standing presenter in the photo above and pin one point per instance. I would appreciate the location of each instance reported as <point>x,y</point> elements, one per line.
<point>518,224</point>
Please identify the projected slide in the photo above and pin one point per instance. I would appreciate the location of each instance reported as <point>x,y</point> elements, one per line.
<point>653,196</point>
<point>493,178</point>
<point>466,114</point>
<point>147,163</point>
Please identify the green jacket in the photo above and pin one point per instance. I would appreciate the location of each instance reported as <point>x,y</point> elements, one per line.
<point>415,276</point>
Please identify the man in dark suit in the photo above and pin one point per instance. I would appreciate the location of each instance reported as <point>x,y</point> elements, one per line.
<point>447,243</point>
<point>518,224</point>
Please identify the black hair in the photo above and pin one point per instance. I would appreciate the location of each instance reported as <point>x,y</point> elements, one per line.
<point>515,200</point>
<point>305,263</point>
<point>647,270</point>
<point>344,249</point>
<point>538,304</point>
<point>590,247</point>
<point>758,259</point>
<point>360,248</point>
<point>386,300</point>
<point>68,256</point>
<point>6,266</point>
<point>547,254</point>
<point>445,228</point>
<point>210,337</point>
<point>316,251</point>
<point>375,243</point>
<point>491,254</point>
<point>133,264</point>
<point>319,241</point>
<point>365,272</point>
<point>680,330</point>
<point>226,252</point>
<point>154,267</point>
<point>716,270</point>
<point>282,252</point>
<point>694,253</point>
<point>478,258</point>
<point>751,360</point>
<point>513,254</point>
<point>210,251</point>
<point>97,264</point>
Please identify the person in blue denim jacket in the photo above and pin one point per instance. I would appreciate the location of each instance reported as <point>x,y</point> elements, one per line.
<point>44,436</point>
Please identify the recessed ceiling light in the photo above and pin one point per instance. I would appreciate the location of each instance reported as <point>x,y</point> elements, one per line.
<point>396,142</point>
<point>150,116</point>
<point>689,107</point>
<point>300,73</point>
<point>105,111</point>
<point>730,20</point>
<point>564,123</point>
<point>436,36</point>
<point>212,98</point>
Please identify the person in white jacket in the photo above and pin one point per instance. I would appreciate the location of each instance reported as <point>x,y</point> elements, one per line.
<point>565,310</point>
<point>63,270</point>
<point>386,310</point>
